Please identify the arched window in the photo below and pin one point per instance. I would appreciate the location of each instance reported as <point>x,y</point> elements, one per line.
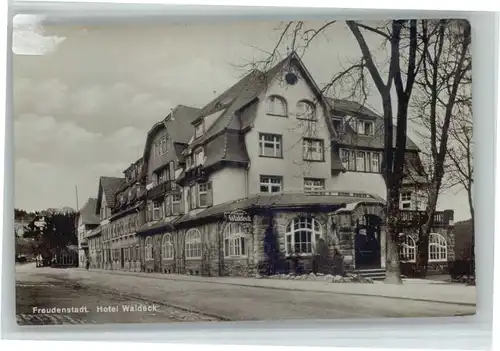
<point>306,110</point>
<point>148,247</point>
<point>193,244</point>
<point>438,249</point>
<point>408,249</point>
<point>167,248</point>
<point>235,243</point>
<point>276,105</point>
<point>301,235</point>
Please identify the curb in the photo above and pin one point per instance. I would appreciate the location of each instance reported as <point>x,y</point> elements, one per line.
<point>139,274</point>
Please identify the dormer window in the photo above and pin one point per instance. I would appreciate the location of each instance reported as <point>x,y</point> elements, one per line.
<point>306,110</point>
<point>276,106</point>
<point>161,146</point>
<point>199,156</point>
<point>199,129</point>
<point>365,127</point>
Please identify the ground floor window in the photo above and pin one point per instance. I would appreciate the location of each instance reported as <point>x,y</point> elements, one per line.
<point>407,249</point>
<point>438,248</point>
<point>167,247</point>
<point>193,244</point>
<point>137,252</point>
<point>301,235</point>
<point>234,240</point>
<point>148,249</point>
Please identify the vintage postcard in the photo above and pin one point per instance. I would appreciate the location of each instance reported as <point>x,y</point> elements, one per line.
<point>242,171</point>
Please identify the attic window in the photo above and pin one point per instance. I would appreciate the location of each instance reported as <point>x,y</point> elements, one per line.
<point>277,106</point>
<point>306,110</point>
<point>365,127</point>
<point>199,129</point>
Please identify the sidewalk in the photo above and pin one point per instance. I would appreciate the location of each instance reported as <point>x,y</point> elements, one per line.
<point>441,293</point>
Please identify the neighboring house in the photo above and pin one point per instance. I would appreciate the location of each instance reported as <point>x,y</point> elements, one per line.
<point>271,152</point>
<point>127,214</point>
<point>101,236</point>
<point>463,239</point>
<point>86,221</point>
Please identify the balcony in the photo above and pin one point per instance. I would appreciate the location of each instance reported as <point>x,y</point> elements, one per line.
<point>160,189</point>
<point>417,217</point>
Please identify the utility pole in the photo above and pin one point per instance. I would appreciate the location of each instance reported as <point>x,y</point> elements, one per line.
<point>76,194</point>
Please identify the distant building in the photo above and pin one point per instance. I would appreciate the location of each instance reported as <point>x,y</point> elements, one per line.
<point>86,221</point>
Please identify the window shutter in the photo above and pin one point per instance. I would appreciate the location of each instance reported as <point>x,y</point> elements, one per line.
<point>188,198</point>
<point>210,200</point>
<point>197,196</point>
<point>168,201</point>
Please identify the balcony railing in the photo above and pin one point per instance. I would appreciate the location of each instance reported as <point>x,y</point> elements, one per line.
<point>440,217</point>
<point>161,189</point>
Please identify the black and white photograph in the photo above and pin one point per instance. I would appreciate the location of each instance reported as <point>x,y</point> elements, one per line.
<point>240,170</point>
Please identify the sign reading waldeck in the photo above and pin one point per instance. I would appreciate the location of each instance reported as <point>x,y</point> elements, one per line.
<point>238,216</point>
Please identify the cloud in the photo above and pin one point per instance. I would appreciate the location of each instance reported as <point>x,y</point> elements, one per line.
<point>28,38</point>
<point>43,139</point>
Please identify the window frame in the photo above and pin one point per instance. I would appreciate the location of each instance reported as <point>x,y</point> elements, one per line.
<point>277,143</point>
<point>148,249</point>
<point>314,189</point>
<point>235,243</point>
<point>167,247</point>
<point>157,206</point>
<point>174,203</point>
<point>198,133</point>
<point>199,160</point>
<point>408,249</point>
<point>441,245</point>
<point>404,201</point>
<point>193,244</point>
<point>270,184</point>
<point>315,232</point>
<point>307,147</point>
<point>270,102</point>
<point>311,104</point>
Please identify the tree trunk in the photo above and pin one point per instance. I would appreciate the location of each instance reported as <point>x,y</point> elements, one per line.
<point>425,230</point>
<point>393,266</point>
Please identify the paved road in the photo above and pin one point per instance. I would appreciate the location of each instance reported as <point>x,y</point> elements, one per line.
<point>228,302</point>
<point>46,291</point>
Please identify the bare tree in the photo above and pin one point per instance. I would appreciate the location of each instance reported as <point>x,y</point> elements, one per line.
<point>443,87</point>
<point>401,38</point>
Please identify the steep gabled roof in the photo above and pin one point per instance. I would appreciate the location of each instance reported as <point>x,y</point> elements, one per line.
<point>178,126</point>
<point>107,188</point>
<point>376,141</point>
<point>241,96</point>
<point>88,212</point>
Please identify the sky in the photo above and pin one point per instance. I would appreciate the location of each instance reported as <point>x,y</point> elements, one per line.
<point>86,93</point>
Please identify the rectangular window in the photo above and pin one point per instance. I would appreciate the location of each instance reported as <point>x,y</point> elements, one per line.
<point>199,129</point>
<point>352,160</point>
<point>313,150</point>
<point>406,199</point>
<point>360,161</point>
<point>312,185</point>
<point>157,210</point>
<point>365,127</point>
<point>344,158</point>
<point>271,184</point>
<point>270,145</point>
<point>176,204</point>
<point>199,157</point>
<point>202,194</point>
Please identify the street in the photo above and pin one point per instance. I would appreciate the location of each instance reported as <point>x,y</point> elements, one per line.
<point>181,300</point>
